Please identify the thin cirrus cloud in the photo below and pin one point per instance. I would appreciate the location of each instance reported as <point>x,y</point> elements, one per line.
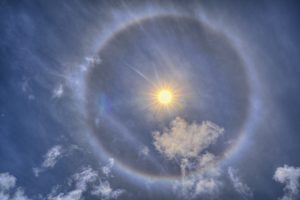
<point>289,176</point>
<point>106,170</point>
<point>50,159</point>
<point>242,188</point>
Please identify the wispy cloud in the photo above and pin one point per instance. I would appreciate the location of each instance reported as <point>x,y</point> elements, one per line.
<point>93,60</point>
<point>290,177</point>
<point>83,178</point>
<point>104,190</point>
<point>86,181</point>
<point>144,151</point>
<point>50,159</point>
<point>58,91</point>
<point>242,188</point>
<point>82,181</point>
<point>106,170</point>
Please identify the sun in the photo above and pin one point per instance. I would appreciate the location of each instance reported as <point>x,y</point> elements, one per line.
<point>165,96</point>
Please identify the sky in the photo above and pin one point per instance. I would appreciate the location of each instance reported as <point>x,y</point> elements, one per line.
<point>81,111</point>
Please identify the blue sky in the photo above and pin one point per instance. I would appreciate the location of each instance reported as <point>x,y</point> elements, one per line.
<point>79,118</point>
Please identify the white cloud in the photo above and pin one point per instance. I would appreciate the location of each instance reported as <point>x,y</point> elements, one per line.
<point>207,185</point>
<point>83,178</point>
<point>72,195</point>
<point>238,185</point>
<point>107,168</point>
<point>52,156</point>
<point>290,177</point>
<point>7,181</point>
<point>88,180</point>
<point>105,191</point>
<point>8,190</point>
<point>93,60</point>
<point>186,140</point>
<point>187,143</point>
<point>58,91</point>
<point>19,195</point>
<point>144,151</point>
<point>50,159</point>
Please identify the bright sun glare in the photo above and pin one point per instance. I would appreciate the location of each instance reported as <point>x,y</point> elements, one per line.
<point>165,96</point>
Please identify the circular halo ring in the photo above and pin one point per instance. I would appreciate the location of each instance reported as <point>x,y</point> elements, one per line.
<point>227,151</point>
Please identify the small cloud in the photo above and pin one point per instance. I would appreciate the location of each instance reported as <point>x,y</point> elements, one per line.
<point>72,195</point>
<point>83,68</point>
<point>58,91</point>
<point>83,178</point>
<point>26,89</point>
<point>107,168</point>
<point>207,185</point>
<point>290,177</point>
<point>93,60</point>
<point>144,151</point>
<point>105,191</point>
<point>50,159</point>
<point>238,185</point>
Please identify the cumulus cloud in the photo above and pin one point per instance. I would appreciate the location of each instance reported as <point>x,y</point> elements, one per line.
<point>186,140</point>
<point>187,143</point>
<point>238,185</point>
<point>290,177</point>
<point>50,159</point>
<point>8,190</point>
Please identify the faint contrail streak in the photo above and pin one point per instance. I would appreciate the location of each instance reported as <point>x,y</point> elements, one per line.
<point>141,74</point>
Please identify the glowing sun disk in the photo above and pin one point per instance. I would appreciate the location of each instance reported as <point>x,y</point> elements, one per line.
<point>165,96</point>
